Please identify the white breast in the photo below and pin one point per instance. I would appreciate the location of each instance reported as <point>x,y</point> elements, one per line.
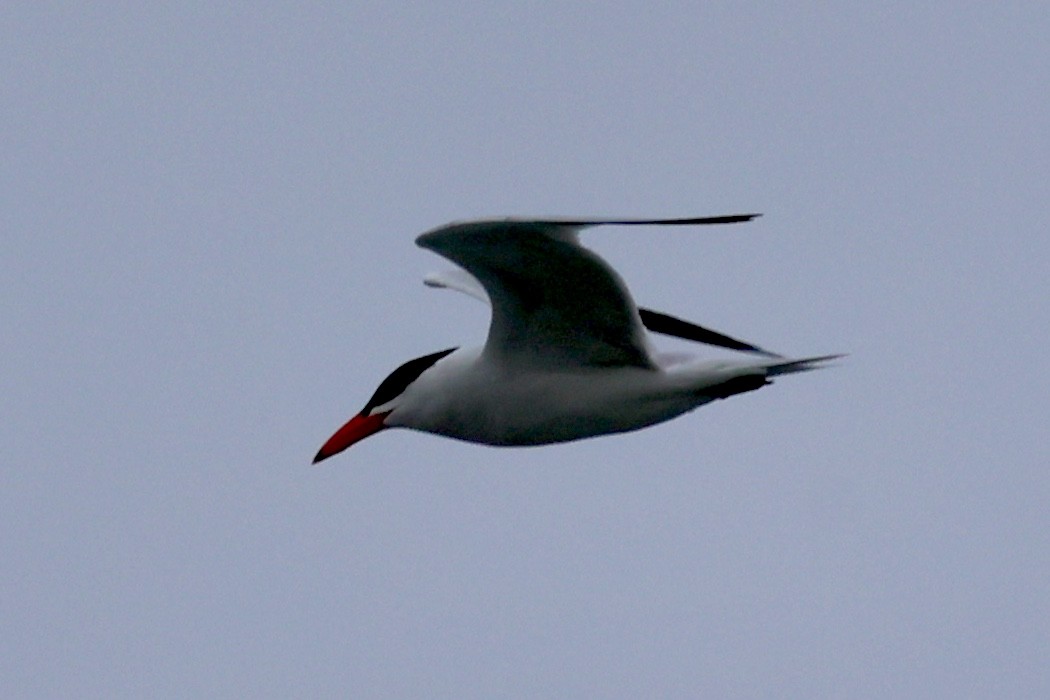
<point>465,396</point>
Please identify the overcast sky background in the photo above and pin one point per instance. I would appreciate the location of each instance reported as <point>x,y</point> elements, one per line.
<point>207,267</point>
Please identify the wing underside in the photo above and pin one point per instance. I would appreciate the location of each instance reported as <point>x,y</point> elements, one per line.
<point>554,301</point>
<point>654,321</point>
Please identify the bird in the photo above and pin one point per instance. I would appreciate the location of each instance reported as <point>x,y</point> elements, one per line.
<point>567,355</point>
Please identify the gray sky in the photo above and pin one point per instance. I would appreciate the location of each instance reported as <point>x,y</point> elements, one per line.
<point>207,266</point>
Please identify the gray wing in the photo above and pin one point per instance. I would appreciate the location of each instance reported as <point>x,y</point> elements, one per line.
<point>554,302</point>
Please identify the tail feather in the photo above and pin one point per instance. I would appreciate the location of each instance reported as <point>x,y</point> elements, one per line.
<point>751,377</point>
<point>803,365</point>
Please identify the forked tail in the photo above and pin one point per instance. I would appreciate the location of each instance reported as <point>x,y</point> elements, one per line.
<point>803,365</point>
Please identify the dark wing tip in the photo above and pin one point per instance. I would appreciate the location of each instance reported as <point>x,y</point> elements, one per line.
<point>665,324</point>
<point>725,219</point>
<point>687,221</point>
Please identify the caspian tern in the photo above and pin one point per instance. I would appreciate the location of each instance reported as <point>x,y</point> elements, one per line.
<point>567,356</point>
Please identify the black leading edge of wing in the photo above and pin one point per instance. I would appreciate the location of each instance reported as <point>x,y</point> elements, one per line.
<point>669,325</point>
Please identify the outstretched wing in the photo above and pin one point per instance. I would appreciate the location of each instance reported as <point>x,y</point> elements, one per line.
<point>554,302</point>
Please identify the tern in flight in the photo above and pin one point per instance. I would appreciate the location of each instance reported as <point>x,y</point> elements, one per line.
<point>567,354</point>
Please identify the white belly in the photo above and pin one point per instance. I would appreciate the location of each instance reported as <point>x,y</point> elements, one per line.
<point>475,401</point>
